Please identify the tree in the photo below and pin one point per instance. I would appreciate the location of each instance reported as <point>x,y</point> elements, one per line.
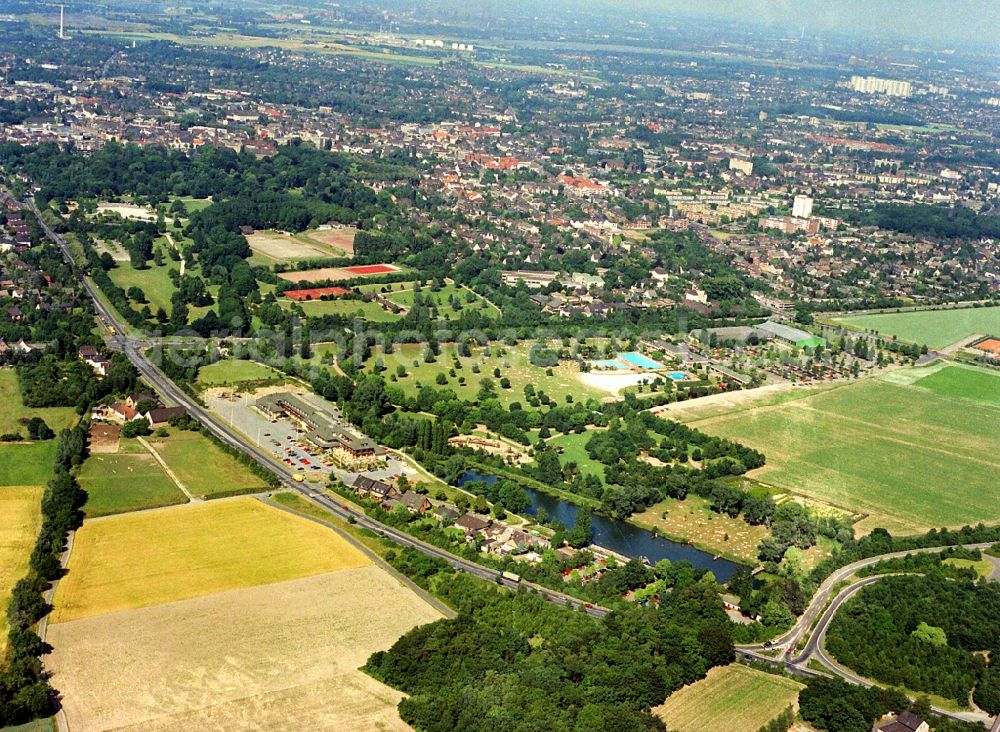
<point>38,430</point>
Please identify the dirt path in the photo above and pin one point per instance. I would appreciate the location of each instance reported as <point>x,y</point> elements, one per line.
<point>168,471</point>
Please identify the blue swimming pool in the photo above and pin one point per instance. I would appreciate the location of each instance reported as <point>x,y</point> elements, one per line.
<point>609,364</point>
<point>643,362</point>
<point>676,375</point>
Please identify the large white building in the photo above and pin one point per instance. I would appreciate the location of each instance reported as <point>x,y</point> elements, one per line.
<point>876,85</point>
<point>802,208</point>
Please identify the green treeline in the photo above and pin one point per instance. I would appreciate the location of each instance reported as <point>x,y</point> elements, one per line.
<point>512,661</point>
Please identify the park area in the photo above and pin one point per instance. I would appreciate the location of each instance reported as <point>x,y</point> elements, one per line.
<point>933,328</point>
<point>249,617</point>
<point>20,519</point>
<point>908,454</point>
<point>513,363</point>
<point>731,697</point>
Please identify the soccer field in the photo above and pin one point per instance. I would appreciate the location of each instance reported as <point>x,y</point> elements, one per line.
<point>141,559</point>
<point>933,328</point>
<point>729,698</point>
<point>910,457</point>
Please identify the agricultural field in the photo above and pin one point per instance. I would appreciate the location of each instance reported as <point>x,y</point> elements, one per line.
<point>118,483</point>
<point>907,457</point>
<point>202,466</point>
<point>14,411</point>
<point>693,519</point>
<point>27,463</point>
<point>933,328</point>
<point>731,697</point>
<point>281,613</point>
<point>20,519</point>
<point>512,361</point>
<point>200,549</point>
<point>228,372</point>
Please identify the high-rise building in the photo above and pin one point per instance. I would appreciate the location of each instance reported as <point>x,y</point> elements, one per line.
<point>875,85</point>
<point>802,208</point>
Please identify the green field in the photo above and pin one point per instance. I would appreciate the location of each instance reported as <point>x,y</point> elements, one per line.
<point>574,450</point>
<point>29,463</point>
<point>202,466</point>
<point>934,328</point>
<point>351,308</point>
<point>154,282</point>
<point>118,483</point>
<point>729,698</point>
<point>234,371</point>
<point>13,409</point>
<point>193,204</point>
<point>443,300</point>
<point>964,383</point>
<point>512,361</point>
<point>908,457</point>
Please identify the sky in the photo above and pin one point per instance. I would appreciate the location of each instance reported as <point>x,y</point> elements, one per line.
<point>937,22</point>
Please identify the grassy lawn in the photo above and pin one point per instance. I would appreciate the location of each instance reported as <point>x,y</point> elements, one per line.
<point>154,282</point>
<point>443,300</point>
<point>729,698</point>
<point>693,519</point>
<point>235,371</point>
<point>964,383</point>
<point>983,567</point>
<point>39,725</point>
<point>144,559</point>
<point>126,482</point>
<point>202,466</point>
<point>193,204</point>
<point>20,519</point>
<point>27,463</point>
<point>910,458</point>
<point>574,451</point>
<point>512,361</point>
<point>13,410</point>
<point>935,328</point>
<point>352,308</point>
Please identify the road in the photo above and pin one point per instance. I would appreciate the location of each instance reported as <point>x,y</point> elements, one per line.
<point>167,389</point>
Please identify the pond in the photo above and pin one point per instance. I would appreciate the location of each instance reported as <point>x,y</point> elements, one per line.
<point>620,536</point>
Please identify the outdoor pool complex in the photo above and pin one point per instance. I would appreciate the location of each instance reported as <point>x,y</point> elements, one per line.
<point>609,364</point>
<point>643,362</point>
<point>676,375</point>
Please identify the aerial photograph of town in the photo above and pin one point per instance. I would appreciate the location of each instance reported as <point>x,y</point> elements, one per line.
<point>500,365</point>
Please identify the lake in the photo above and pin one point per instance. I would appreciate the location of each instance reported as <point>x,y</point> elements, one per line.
<point>620,536</point>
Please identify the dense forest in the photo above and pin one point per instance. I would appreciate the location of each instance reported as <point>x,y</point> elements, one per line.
<point>939,221</point>
<point>512,661</point>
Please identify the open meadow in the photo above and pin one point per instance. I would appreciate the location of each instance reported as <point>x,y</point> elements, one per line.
<point>27,463</point>
<point>513,363</point>
<point>372,311</point>
<point>199,549</point>
<point>933,328</point>
<point>202,466</point>
<point>225,615</point>
<point>731,697</point>
<point>909,457</point>
<point>20,519</point>
<point>14,411</point>
<point>118,483</point>
<point>229,372</point>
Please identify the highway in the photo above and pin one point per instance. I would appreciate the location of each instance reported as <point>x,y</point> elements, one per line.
<point>167,389</point>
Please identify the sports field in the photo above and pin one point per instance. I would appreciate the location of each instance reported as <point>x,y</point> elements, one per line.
<point>338,273</point>
<point>908,457</point>
<point>20,519</point>
<point>12,409</point>
<point>27,463</point>
<point>964,383</point>
<point>731,697</point>
<point>142,559</point>
<point>235,371</point>
<point>117,483</point>
<point>202,466</point>
<point>277,246</point>
<point>934,328</point>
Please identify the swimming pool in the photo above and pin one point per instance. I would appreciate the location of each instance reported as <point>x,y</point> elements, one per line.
<point>643,362</point>
<point>676,375</point>
<point>609,364</point>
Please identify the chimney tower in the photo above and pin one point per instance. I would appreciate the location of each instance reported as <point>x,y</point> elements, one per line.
<point>62,36</point>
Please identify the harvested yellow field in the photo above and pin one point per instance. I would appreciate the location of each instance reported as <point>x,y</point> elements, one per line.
<point>20,519</point>
<point>733,697</point>
<point>280,656</point>
<point>141,559</point>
